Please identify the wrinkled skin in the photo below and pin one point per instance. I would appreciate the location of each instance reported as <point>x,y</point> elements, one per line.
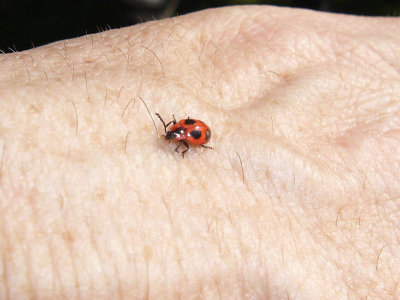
<point>298,199</point>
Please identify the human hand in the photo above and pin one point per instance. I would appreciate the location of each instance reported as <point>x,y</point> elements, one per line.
<point>299,198</point>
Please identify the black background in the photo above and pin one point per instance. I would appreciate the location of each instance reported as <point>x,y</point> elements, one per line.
<point>28,23</point>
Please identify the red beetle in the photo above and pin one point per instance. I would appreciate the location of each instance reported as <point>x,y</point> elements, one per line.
<point>187,131</point>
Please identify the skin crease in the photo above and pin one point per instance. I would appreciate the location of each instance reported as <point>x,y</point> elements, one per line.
<point>298,200</point>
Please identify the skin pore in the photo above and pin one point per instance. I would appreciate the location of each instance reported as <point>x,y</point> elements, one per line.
<point>298,199</point>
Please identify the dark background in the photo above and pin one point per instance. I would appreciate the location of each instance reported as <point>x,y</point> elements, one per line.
<point>28,23</point>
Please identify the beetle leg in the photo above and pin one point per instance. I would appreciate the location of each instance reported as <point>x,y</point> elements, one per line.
<point>184,151</point>
<point>207,147</point>
<point>166,125</point>
<point>187,148</point>
<point>161,119</point>
<point>176,149</point>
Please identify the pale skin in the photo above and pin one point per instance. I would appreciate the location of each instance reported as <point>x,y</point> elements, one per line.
<point>298,199</point>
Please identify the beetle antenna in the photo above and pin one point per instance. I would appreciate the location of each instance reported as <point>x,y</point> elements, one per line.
<point>165,126</point>
<point>145,105</point>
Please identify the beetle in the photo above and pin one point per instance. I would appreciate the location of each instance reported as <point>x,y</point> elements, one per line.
<point>187,131</point>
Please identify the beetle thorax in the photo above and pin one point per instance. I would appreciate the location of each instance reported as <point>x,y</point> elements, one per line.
<point>177,134</point>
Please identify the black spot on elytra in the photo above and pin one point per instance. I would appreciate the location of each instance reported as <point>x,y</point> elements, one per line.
<point>196,134</point>
<point>180,131</point>
<point>190,121</point>
<point>208,134</point>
